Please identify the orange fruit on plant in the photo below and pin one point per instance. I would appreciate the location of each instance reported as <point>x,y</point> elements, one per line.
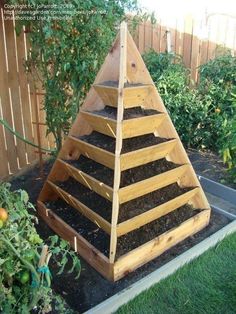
<point>3,214</point>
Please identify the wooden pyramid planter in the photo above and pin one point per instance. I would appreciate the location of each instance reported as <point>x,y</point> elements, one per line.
<point>122,190</point>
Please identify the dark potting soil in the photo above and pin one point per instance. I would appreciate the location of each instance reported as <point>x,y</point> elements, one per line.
<point>99,239</point>
<point>131,113</point>
<point>130,176</point>
<point>116,83</point>
<point>127,210</point>
<point>130,144</point>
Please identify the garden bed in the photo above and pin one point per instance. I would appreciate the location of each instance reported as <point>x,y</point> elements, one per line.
<point>127,210</point>
<point>92,288</point>
<point>99,239</point>
<point>108,143</point>
<point>128,177</point>
<point>131,113</point>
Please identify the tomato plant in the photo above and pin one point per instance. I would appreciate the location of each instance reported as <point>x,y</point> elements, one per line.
<point>205,115</point>
<point>66,54</point>
<point>23,284</point>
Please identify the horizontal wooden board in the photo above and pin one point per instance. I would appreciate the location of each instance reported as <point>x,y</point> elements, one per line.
<point>145,155</point>
<point>155,213</point>
<point>83,209</point>
<point>133,96</point>
<point>108,94</point>
<point>141,126</point>
<point>149,185</point>
<point>136,96</point>
<point>148,251</point>
<point>100,123</point>
<point>130,127</point>
<point>93,256</point>
<point>88,181</point>
<point>93,152</point>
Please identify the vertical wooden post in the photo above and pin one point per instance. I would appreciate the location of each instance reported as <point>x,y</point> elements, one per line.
<point>120,112</point>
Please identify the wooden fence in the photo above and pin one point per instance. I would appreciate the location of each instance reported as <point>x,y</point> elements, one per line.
<point>197,41</point>
<point>21,106</point>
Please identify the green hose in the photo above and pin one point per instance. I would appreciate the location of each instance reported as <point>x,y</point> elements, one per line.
<point>18,135</point>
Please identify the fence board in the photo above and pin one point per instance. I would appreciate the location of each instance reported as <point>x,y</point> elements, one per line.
<point>24,90</point>
<point>5,102</point>
<point>13,84</point>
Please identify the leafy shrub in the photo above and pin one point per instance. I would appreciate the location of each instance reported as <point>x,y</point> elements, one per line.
<point>23,284</point>
<point>183,104</point>
<point>67,54</point>
<point>218,87</point>
<point>203,116</point>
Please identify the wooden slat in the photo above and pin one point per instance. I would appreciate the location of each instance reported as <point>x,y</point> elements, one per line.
<point>151,184</point>
<point>13,83</point>
<point>141,37</point>
<point>155,213</point>
<point>145,155</point>
<point>100,123</point>
<point>83,209</point>
<point>88,181</point>
<point>108,94</point>
<point>148,251</point>
<point>5,102</point>
<point>135,96</point>
<point>100,155</point>
<point>93,256</point>
<point>143,125</point>
<point>148,35</point>
<point>130,128</point>
<point>187,41</point>
<point>120,114</point>
<point>25,96</point>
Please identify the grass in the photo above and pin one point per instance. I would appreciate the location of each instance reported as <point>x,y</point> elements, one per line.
<point>206,285</point>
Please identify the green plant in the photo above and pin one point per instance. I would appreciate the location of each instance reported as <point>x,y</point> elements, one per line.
<point>183,104</point>
<point>218,87</point>
<point>203,116</point>
<point>66,54</point>
<point>24,285</point>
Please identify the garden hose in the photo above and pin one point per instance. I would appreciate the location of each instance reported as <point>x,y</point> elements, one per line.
<point>18,135</point>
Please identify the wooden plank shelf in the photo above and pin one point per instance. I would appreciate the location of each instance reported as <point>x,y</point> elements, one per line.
<point>88,181</point>
<point>155,213</point>
<point>127,160</point>
<point>133,96</point>
<point>130,127</point>
<point>93,256</point>
<point>144,155</point>
<point>149,185</point>
<point>95,153</point>
<point>83,209</point>
<point>150,250</point>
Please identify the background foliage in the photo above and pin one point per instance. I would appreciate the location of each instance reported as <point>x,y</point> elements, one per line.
<point>67,54</point>
<point>205,115</point>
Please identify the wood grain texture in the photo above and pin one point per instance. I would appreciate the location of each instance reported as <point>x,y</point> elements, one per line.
<point>155,213</point>
<point>148,251</point>
<point>145,155</point>
<point>151,184</point>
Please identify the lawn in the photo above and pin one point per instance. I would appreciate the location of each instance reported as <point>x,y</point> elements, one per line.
<point>206,285</point>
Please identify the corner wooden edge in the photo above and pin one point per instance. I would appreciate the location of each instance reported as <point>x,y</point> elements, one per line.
<point>92,255</point>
